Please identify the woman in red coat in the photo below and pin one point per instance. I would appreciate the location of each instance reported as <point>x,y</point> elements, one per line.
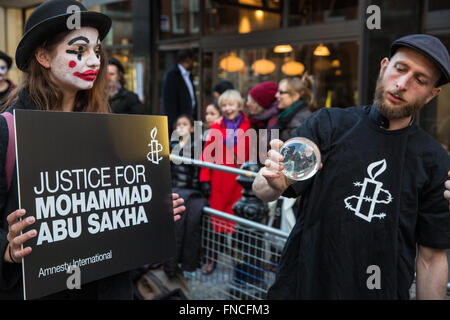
<point>227,144</point>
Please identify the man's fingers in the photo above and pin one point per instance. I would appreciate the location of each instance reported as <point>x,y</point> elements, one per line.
<point>175,196</point>
<point>276,144</point>
<point>269,173</point>
<point>275,156</point>
<point>273,166</point>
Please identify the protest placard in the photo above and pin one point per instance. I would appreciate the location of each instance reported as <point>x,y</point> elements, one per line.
<point>99,188</point>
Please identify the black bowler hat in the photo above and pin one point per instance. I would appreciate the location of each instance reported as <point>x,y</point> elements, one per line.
<point>49,19</point>
<point>429,46</point>
<point>117,63</point>
<point>6,58</point>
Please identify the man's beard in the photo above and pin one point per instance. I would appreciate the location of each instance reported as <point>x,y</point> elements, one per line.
<point>393,113</point>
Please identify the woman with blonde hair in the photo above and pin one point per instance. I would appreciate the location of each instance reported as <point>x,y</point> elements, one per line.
<point>296,102</point>
<point>222,188</point>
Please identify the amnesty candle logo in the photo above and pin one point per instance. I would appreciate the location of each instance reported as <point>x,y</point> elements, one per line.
<point>367,200</point>
<point>155,148</point>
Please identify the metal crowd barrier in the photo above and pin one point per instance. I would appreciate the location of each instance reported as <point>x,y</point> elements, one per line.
<point>246,257</point>
<point>210,165</point>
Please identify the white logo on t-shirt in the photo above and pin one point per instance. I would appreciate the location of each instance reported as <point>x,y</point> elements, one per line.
<point>372,199</point>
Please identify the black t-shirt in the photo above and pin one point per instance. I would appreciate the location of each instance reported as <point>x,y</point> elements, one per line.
<point>378,194</point>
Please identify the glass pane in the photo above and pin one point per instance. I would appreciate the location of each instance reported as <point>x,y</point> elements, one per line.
<point>305,12</point>
<point>179,18</point>
<point>435,5</point>
<point>119,42</point>
<point>241,16</point>
<point>336,73</point>
<point>121,32</point>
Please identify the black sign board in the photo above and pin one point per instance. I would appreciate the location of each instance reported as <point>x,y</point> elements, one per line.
<point>99,187</point>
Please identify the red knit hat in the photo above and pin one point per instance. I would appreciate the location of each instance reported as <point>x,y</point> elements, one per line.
<point>264,93</point>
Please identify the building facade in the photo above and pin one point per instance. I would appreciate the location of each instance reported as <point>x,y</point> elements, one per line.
<point>340,42</point>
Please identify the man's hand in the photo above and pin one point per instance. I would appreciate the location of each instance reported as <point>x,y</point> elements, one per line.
<point>177,206</point>
<point>270,182</point>
<point>273,167</point>
<point>447,192</point>
<point>15,238</point>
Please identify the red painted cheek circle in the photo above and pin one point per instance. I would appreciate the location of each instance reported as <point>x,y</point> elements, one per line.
<point>72,64</point>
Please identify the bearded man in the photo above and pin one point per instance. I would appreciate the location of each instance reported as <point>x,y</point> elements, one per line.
<point>375,213</point>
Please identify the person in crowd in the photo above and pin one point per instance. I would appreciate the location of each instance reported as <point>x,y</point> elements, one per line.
<point>221,87</point>
<point>6,85</point>
<point>226,145</point>
<point>212,114</point>
<point>296,102</point>
<point>178,91</point>
<point>185,182</point>
<point>184,176</point>
<point>51,56</point>
<point>375,213</point>
<point>121,100</point>
<point>262,105</point>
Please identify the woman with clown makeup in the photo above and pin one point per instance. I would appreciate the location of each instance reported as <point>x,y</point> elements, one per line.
<point>64,70</point>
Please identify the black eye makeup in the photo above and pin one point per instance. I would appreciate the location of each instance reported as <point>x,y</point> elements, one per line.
<point>78,52</point>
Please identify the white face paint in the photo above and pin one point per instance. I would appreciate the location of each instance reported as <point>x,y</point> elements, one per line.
<point>3,69</point>
<point>76,61</point>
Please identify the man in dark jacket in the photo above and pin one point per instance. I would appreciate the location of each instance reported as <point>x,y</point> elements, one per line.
<point>121,100</point>
<point>178,89</point>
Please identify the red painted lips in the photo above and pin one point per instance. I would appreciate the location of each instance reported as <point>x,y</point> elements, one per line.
<point>88,75</point>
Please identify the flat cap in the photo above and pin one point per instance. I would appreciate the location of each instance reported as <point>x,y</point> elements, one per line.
<point>429,46</point>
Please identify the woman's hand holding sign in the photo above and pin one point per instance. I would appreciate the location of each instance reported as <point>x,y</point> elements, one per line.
<point>177,206</point>
<point>14,252</point>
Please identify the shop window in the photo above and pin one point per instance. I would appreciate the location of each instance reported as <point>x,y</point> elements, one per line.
<point>119,43</point>
<point>241,16</point>
<point>179,18</point>
<point>194,17</point>
<point>321,11</point>
<point>121,32</point>
<point>335,72</point>
<point>437,5</point>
